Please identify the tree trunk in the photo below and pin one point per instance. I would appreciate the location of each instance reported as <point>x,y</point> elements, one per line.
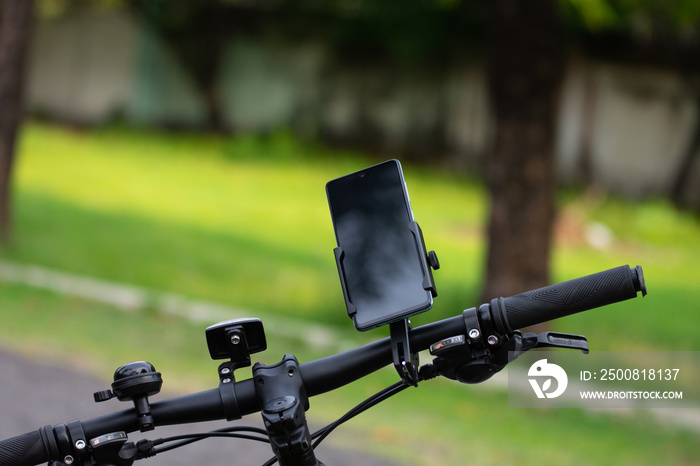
<point>15,22</point>
<point>525,72</point>
<point>685,169</point>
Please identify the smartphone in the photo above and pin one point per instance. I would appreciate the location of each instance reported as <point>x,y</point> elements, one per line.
<point>380,256</point>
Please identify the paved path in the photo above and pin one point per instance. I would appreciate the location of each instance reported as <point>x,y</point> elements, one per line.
<point>34,394</point>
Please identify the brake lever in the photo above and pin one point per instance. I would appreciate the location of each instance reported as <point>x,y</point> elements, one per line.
<point>555,340</point>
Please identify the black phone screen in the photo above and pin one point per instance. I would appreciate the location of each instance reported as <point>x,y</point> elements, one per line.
<point>381,266</point>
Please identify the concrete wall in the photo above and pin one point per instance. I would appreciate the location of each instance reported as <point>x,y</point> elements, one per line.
<point>639,124</point>
<point>93,66</point>
<point>631,124</point>
<point>81,67</point>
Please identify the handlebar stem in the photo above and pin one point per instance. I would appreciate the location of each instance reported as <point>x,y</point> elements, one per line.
<point>280,391</point>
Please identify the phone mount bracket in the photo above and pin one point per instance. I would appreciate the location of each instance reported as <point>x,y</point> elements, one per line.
<point>405,360</point>
<point>339,257</point>
<point>429,259</point>
<point>429,262</point>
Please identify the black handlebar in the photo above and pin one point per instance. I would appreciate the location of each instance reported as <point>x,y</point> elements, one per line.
<point>329,373</point>
<point>554,301</point>
<point>319,376</point>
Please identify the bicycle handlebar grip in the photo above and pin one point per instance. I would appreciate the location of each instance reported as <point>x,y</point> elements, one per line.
<point>554,301</point>
<point>24,450</point>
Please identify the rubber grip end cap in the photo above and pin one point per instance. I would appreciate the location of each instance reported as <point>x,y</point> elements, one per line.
<point>638,280</point>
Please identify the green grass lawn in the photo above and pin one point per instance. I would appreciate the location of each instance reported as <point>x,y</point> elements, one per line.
<point>244,222</point>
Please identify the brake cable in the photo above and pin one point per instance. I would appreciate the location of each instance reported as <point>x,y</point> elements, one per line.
<point>228,432</point>
<point>148,448</point>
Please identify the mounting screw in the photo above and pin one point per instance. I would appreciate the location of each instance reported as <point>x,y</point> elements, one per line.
<point>235,339</point>
<point>492,339</point>
<point>225,370</point>
<point>226,380</point>
<point>474,334</point>
<point>68,459</point>
<point>80,445</point>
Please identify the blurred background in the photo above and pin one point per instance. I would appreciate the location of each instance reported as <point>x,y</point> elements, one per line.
<point>162,168</point>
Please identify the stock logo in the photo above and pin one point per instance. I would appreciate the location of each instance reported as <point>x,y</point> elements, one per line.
<point>546,372</point>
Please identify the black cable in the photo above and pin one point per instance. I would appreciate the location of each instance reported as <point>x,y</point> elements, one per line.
<point>262,436</point>
<point>227,432</point>
<point>375,399</point>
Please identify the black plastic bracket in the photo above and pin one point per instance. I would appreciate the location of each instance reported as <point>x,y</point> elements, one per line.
<point>227,391</point>
<point>78,439</point>
<point>339,257</point>
<point>429,260</point>
<point>235,340</point>
<point>405,360</point>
